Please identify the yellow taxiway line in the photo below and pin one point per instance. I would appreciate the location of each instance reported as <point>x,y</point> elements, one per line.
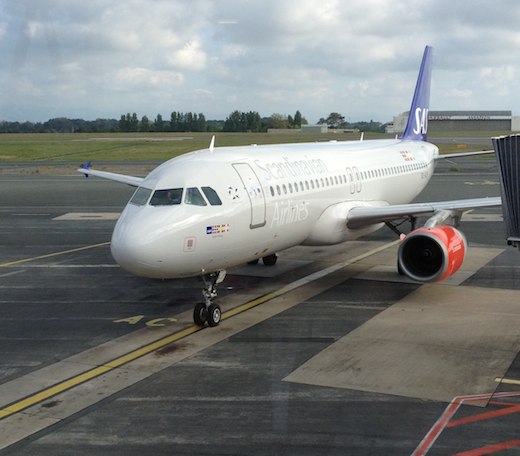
<point>507,381</point>
<point>72,382</point>
<point>50,255</point>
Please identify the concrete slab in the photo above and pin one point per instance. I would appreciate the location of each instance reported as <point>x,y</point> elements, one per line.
<point>437,343</point>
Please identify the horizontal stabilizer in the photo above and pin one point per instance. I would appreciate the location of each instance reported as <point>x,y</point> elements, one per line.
<point>463,154</point>
<point>507,151</point>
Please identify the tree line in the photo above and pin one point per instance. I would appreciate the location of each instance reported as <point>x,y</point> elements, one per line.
<point>337,121</point>
<point>237,121</point>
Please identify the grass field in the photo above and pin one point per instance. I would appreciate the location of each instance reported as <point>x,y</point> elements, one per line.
<point>162,146</point>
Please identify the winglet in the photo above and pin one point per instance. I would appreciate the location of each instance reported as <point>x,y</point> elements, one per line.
<point>87,167</point>
<point>212,143</point>
<point>417,125</point>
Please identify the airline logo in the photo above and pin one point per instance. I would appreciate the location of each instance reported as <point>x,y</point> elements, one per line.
<point>421,121</point>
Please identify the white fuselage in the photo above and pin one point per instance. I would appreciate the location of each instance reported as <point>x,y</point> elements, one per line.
<point>269,198</point>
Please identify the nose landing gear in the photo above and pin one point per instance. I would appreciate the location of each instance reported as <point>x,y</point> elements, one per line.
<point>208,311</point>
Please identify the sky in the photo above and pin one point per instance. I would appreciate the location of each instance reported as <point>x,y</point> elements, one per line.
<point>103,58</point>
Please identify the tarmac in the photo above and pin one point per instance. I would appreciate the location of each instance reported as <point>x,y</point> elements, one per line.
<point>328,352</point>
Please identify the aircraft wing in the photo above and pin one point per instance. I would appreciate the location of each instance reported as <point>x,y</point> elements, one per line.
<point>123,178</point>
<point>368,215</point>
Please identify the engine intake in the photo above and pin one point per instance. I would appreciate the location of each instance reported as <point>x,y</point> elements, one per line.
<point>432,255</point>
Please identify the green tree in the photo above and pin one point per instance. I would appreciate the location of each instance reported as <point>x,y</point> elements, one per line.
<point>253,122</point>
<point>233,122</point>
<point>188,121</point>
<point>145,124</point>
<point>124,124</point>
<point>335,120</point>
<point>133,122</point>
<point>298,119</point>
<point>278,121</point>
<point>243,121</point>
<point>158,123</point>
<point>201,122</point>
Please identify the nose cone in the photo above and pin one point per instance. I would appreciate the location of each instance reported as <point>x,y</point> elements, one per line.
<point>134,249</point>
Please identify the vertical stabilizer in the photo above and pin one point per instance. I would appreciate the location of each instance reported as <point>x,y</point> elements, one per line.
<point>417,125</point>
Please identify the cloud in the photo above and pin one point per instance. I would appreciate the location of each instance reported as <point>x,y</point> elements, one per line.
<point>190,57</point>
<point>359,57</point>
<point>137,77</point>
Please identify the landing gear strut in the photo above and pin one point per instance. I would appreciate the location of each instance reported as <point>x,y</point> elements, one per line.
<point>208,311</point>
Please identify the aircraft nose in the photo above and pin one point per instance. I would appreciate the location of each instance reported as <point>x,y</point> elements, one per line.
<point>132,249</point>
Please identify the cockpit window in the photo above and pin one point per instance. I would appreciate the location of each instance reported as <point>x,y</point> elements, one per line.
<point>212,196</point>
<point>194,197</point>
<point>166,197</point>
<point>140,196</point>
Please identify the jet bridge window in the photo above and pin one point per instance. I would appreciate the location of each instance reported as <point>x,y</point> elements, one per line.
<point>212,196</point>
<point>140,196</point>
<point>194,197</point>
<point>168,197</point>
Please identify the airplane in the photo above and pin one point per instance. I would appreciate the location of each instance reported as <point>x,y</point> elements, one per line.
<point>204,212</point>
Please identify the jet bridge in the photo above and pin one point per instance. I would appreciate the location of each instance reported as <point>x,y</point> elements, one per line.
<point>507,151</point>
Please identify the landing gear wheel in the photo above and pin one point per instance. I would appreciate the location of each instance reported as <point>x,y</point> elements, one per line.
<point>253,261</point>
<point>207,311</point>
<point>214,315</point>
<point>270,260</point>
<point>200,314</point>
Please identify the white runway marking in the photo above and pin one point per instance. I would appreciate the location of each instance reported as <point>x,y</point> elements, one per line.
<point>75,216</point>
<point>11,273</point>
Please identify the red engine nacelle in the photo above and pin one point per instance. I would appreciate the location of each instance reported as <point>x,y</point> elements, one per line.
<point>431,255</point>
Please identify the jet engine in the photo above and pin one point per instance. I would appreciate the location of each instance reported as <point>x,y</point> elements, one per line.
<point>432,255</point>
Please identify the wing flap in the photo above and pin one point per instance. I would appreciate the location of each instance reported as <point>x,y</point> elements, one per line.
<point>361,216</point>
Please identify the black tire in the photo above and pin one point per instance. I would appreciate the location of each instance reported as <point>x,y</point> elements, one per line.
<point>270,260</point>
<point>200,314</point>
<point>214,315</point>
<point>253,261</point>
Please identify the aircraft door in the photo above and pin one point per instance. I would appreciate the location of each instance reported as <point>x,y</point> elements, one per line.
<point>254,192</point>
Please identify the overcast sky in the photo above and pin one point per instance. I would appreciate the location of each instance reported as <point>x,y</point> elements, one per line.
<point>102,58</point>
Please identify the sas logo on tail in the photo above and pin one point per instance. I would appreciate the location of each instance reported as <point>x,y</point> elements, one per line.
<point>421,121</point>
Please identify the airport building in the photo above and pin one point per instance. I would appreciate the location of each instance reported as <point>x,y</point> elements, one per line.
<point>463,121</point>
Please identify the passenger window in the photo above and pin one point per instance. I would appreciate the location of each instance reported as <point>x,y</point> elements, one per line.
<point>168,197</point>
<point>212,196</point>
<point>140,196</point>
<point>194,197</point>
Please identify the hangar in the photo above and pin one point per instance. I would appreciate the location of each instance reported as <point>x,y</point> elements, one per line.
<point>463,121</point>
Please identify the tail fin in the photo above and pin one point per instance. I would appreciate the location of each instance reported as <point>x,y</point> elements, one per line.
<point>417,125</point>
